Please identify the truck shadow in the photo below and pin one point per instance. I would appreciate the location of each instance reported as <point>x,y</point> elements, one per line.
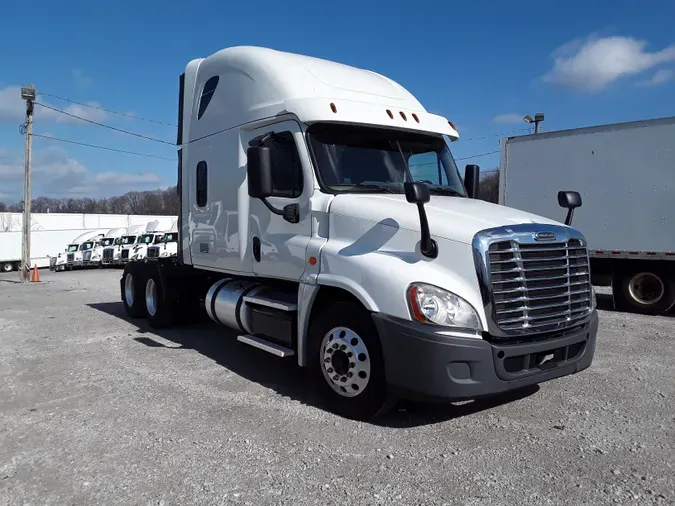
<point>283,375</point>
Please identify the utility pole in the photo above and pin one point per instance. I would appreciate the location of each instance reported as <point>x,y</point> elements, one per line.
<point>538,118</point>
<point>28,94</point>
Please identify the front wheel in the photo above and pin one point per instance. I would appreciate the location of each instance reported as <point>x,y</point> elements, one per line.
<point>346,362</point>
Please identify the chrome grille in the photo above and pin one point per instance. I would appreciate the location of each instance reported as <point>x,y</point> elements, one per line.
<point>539,285</point>
<point>86,256</point>
<point>125,253</point>
<point>71,257</point>
<point>153,252</point>
<point>107,254</point>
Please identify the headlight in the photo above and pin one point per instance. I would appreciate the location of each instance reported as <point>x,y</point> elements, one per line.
<point>594,299</point>
<point>430,304</point>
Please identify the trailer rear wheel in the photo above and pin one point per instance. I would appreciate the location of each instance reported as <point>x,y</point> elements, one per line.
<point>132,294</point>
<point>7,267</point>
<point>645,289</point>
<point>346,362</point>
<point>158,309</point>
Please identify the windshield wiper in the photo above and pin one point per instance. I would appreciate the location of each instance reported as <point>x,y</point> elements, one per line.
<point>444,190</point>
<point>383,187</point>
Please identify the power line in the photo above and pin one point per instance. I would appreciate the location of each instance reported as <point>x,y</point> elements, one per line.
<point>476,156</point>
<point>105,126</point>
<point>132,116</point>
<point>102,147</point>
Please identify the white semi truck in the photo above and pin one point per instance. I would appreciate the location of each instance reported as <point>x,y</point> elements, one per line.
<point>73,255</point>
<point>110,240</point>
<point>119,253</point>
<point>167,246</point>
<point>626,173</point>
<point>140,249</point>
<point>356,246</point>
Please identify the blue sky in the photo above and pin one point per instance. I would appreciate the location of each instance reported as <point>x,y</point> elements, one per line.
<point>482,64</point>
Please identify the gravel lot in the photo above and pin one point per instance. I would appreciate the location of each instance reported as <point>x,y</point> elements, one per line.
<point>94,409</point>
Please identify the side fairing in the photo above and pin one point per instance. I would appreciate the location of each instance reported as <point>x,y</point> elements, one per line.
<point>376,262</point>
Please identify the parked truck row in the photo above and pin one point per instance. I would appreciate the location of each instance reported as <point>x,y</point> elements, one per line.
<point>115,247</point>
<point>323,217</point>
<point>50,231</point>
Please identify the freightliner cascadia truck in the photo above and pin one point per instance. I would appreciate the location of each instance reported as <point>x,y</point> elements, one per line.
<point>323,218</point>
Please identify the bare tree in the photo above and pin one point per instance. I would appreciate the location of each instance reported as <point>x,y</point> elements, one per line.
<point>489,186</point>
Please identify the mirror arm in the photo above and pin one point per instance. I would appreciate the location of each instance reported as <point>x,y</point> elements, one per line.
<point>428,247</point>
<point>272,209</point>
<point>570,215</point>
<point>290,212</point>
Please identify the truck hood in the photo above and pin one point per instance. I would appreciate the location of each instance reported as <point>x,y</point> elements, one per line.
<point>453,218</point>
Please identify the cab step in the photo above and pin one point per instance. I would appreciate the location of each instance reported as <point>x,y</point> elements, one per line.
<point>282,301</point>
<point>268,346</point>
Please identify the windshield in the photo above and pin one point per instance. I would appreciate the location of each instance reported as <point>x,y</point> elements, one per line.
<point>172,237</point>
<point>146,239</point>
<point>128,239</point>
<point>72,247</point>
<point>358,159</point>
<point>87,245</point>
<point>108,241</point>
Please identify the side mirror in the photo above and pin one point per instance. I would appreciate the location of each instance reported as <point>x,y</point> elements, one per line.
<point>418,194</point>
<point>472,181</point>
<point>569,200</point>
<point>259,172</point>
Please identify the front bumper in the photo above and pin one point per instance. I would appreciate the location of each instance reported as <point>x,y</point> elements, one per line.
<point>422,364</point>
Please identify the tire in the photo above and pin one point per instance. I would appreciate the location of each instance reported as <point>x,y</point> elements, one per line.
<point>7,267</point>
<point>349,326</point>
<point>133,294</point>
<point>159,312</point>
<point>644,289</point>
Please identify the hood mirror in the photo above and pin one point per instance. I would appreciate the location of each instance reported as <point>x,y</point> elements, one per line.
<point>472,181</point>
<point>418,194</point>
<point>569,200</point>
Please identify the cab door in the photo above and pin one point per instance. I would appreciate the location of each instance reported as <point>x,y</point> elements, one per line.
<point>277,245</point>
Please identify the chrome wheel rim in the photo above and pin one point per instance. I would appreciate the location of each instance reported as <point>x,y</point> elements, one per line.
<point>646,288</point>
<point>7,267</point>
<point>345,361</point>
<point>129,289</point>
<point>151,296</point>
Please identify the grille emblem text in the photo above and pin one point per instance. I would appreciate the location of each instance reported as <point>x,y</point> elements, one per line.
<point>544,236</point>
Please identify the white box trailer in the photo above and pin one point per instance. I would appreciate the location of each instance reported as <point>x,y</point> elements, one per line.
<point>51,232</point>
<point>625,173</point>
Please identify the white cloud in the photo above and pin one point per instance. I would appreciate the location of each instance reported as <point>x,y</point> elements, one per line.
<point>57,174</point>
<point>80,79</point>
<point>661,76</point>
<point>13,109</point>
<point>594,63</point>
<point>508,118</point>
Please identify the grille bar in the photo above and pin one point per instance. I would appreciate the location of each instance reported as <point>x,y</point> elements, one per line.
<point>538,285</point>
